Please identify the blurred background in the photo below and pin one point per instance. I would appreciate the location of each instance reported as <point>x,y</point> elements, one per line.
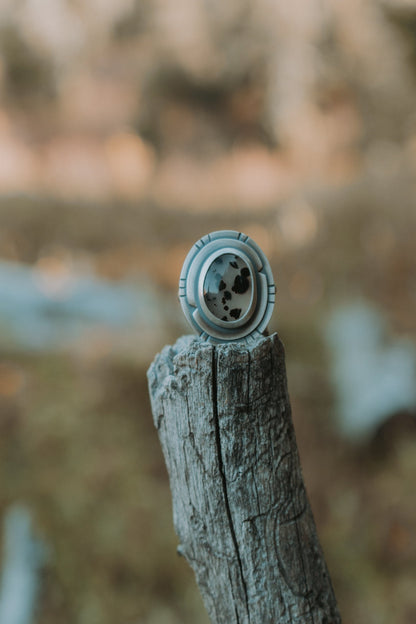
<point>128,130</point>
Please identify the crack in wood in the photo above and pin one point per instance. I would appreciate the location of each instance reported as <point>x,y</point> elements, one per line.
<point>223,476</point>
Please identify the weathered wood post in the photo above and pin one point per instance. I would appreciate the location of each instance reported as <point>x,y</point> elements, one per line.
<point>240,508</point>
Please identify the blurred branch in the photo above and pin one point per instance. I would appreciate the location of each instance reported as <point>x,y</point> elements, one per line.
<point>23,558</point>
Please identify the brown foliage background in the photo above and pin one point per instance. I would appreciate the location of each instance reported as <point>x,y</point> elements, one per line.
<point>128,130</point>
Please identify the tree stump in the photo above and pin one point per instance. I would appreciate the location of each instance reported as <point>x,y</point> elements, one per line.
<point>240,507</point>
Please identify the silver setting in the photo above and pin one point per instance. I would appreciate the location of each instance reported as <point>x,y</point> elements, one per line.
<point>199,268</point>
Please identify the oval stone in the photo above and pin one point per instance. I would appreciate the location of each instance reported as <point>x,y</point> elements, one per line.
<point>228,287</point>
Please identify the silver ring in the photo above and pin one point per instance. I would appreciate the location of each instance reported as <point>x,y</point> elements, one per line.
<point>226,288</point>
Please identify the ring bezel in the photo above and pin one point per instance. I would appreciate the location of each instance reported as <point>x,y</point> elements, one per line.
<point>201,293</point>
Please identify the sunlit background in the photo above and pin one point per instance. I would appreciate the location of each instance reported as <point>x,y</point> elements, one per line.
<point>129,129</point>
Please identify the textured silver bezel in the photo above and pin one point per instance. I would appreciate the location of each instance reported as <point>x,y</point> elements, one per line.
<point>191,288</point>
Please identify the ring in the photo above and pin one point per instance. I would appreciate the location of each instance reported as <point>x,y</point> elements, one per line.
<point>226,288</point>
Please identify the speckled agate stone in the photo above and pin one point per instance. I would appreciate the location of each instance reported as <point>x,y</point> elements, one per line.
<point>228,288</point>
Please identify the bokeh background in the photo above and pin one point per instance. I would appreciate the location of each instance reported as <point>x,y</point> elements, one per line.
<point>128,130</point>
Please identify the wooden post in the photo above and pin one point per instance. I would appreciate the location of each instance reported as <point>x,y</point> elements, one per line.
<point>239,503</point>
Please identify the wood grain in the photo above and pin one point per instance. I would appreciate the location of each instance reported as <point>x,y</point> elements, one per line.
<point>240,507</point>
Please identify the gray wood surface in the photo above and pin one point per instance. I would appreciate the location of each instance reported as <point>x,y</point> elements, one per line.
<point>239,503</point>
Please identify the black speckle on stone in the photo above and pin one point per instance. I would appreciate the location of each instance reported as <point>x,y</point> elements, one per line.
<point>241,284</point>
<point>235,313</point>
<point>224,318</point>
<point>234,265</point>
<point>226,308</point>
<point>222,285</point>
<point>245,272</point>
<point>227,295</point>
